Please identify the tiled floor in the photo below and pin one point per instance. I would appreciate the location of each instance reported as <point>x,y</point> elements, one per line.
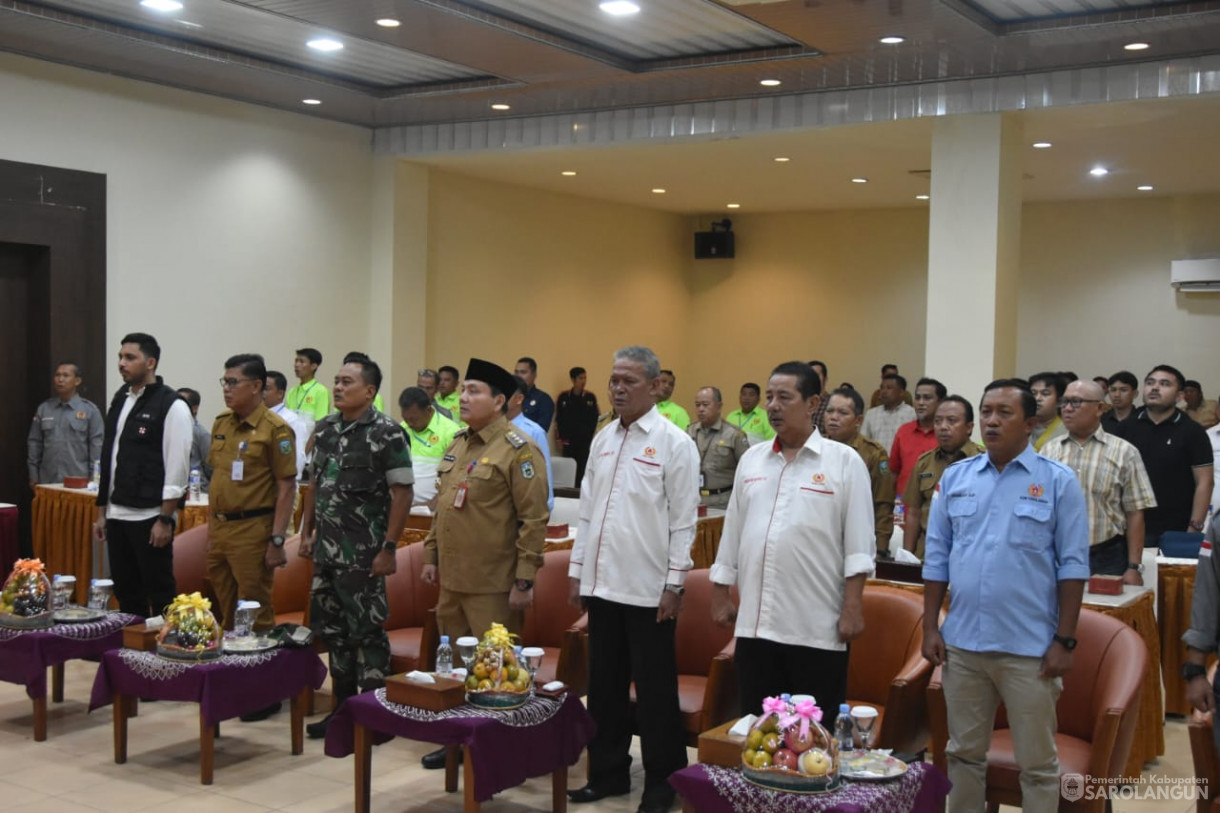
<point>74,769</point>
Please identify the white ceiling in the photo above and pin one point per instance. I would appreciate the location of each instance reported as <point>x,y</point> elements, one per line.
<point>1170,144</point>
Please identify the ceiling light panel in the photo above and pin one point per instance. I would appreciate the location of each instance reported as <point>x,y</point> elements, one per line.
<point>664,29</point>
<point>1012,11</point>
<point>248,28</point>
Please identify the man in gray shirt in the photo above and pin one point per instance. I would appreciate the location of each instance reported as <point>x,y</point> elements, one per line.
<point>201,438</point>
<point>66,435</point>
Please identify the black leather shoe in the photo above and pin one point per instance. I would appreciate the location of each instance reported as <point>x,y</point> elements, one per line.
<point>592,793</point>
<point>262,714</point>
<point>659,800</point>
<point>436,760</point>
<point>317,731</point>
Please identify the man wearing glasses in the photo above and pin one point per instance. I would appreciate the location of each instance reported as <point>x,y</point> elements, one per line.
<point>1116,486</point>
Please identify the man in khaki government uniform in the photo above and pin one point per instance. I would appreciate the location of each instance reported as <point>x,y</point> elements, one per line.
<point>953,424</point>
<point>254,470</point>
<point>720,446</point>
<point>844,415</point>
<point>486,540</point>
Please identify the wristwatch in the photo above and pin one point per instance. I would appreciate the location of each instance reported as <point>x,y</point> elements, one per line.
<point>676,589</point>
<point>1137,566</point>
<point>277,540</point>
<point>1190,671</point>
<point>168,519</point>
<point>389,545</point>
<point>1067,643</point>
<point>524,585</point>
<point>1197,526</point>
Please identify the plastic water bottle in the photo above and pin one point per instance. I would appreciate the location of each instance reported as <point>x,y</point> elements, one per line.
<point>96,482</point>
<point>900,511</point>
<point>444,657</point>
<point>196,485</point>
<point>845,733</point>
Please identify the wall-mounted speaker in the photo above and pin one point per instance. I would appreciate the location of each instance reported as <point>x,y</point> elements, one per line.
<point>714,245</point>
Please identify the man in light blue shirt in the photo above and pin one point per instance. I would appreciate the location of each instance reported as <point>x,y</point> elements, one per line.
<point>1008,537</point>
<point>535,432</point>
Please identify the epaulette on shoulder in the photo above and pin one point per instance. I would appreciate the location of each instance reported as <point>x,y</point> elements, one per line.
<point>461,433</point>
<point>516,440</point>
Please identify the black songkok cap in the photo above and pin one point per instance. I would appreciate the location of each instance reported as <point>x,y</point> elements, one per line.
<point>493,375</point>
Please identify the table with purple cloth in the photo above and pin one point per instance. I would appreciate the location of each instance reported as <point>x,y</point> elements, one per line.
<point>501,749</point>
<point>710,789</point>
<point>227,687</point>
<point>25,655</point>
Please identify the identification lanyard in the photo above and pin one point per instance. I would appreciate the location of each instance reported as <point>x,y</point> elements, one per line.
<point>459,499</point>
<point>239,466</point>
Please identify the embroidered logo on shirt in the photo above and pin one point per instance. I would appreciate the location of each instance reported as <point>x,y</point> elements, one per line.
<point>81,415</point>
<point>649,451</point>
<point>819,478</point>
<point>1036,491</point>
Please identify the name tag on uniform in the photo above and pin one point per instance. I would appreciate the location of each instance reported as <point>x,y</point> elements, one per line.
<point>238,471</point>
<point>701,480</point>
<point>459,499</point>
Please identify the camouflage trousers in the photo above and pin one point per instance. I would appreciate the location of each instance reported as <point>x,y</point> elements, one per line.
<point>347,608</point>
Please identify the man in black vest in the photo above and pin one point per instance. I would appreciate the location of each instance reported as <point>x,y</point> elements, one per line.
<point>146,453</point>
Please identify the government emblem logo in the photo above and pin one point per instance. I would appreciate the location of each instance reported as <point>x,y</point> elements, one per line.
<point>650,452</point>
<point>1036,491</point>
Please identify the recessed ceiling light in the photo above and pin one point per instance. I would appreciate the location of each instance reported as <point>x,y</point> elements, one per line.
<point>770,83</point>
<point>162,5</point>
<point>568,172</point>
<point>782,159</point>
<point>733,205</point>
<point>658,191</point>
<point>501,106</point>
<point>922,197</point>
<point>311,101</point>
<point>892,40</point>
<point>389,22</point>
<point>1041,145</point>
<point>859,180</point>
<point>619,8</point>
<point>325,44</point>
<point>1136,46</point>
<point>1144,188</point>
<point>1098,172</point>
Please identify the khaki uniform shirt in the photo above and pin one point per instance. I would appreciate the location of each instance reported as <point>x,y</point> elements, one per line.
<point>720,447</point>
<point>497,533</point>
<point>882,479</point>
<point>266,447</point>
<point>924,477</point>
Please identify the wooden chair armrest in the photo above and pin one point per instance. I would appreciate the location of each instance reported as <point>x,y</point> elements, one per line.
<point>720,700</point>
<point>573,666</point>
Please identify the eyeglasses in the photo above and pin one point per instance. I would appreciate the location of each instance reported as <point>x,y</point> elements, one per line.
<point>230,383</point>
<point>1075,403</point>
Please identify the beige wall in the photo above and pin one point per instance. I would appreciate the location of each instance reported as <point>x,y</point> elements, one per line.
<point>230,228</point>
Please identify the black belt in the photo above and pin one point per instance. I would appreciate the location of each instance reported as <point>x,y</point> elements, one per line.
<point>712,492</point>
<point>233,516</point>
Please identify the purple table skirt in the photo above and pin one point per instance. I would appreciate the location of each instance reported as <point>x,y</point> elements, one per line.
<point>225,688</point>
<point>503,756</point>
<point>26,654</point>
<point>711,789</point>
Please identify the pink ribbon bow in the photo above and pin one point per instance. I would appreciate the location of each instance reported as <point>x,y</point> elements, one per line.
<point>771,705</point>
<point>805,711</point>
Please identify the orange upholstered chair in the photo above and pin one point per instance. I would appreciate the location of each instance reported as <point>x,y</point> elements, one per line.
<point>290,588</point>
<point>1097,713</point>
<point>191,562</point>
<point>556,626</point>
<point>411,623</point>
<point>887,670</point>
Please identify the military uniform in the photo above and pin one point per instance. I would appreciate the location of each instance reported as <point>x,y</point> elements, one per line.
<point>65,438</point>
<point>490,526</point>
<point>882,479</point>
<point>720,447</point>
<point>922,483</point>
<point>248,459</point>
<point>354,466</point>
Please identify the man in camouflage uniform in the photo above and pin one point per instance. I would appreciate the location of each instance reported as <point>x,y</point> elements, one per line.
<point>486,540</point>
<point>844,415</point>
<point>361,494</point>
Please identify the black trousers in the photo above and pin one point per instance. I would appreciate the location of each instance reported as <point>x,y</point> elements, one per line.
<point>769,669</point>
<point>143,575</point>
<point>626,643</point>
<point>578,450</point>
<point>1109,558</point>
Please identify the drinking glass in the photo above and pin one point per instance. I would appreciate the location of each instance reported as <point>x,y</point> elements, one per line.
<point>865,719</point>
<point>466,647</point>
<point>243,619</point>
<point>531,656</point>
<point>62,590</point>
<point>100,592</point>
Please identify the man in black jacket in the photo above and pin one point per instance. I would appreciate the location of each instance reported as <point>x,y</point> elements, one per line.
<point>146,455</point>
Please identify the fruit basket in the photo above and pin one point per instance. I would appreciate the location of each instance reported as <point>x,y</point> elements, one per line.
<point>25,601</point>
<point>787,749</point>
<point>190,632</point>
<point>497,680</point>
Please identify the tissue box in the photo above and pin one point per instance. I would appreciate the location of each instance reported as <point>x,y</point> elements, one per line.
<point>139,636</point>
<point>446,693</point>
<point>719,747</point>
<point>557,531</point>
<point>1106,585</point>
<point>76,482</point>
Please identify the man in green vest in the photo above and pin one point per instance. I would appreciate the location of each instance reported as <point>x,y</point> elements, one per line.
<point>310,399</point>
<point>665,391</point>
<point>430,434</point>
<point>750,419</point>
<point>447,394</point>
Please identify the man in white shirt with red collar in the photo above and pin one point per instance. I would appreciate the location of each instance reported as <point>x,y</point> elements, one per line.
<point>798,542</point>
<point>638,508</point>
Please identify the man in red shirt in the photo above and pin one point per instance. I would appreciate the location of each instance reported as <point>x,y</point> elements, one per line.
<point>918,436</point>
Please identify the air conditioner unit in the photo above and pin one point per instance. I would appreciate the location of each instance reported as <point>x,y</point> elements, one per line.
<point>1196,275</point>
